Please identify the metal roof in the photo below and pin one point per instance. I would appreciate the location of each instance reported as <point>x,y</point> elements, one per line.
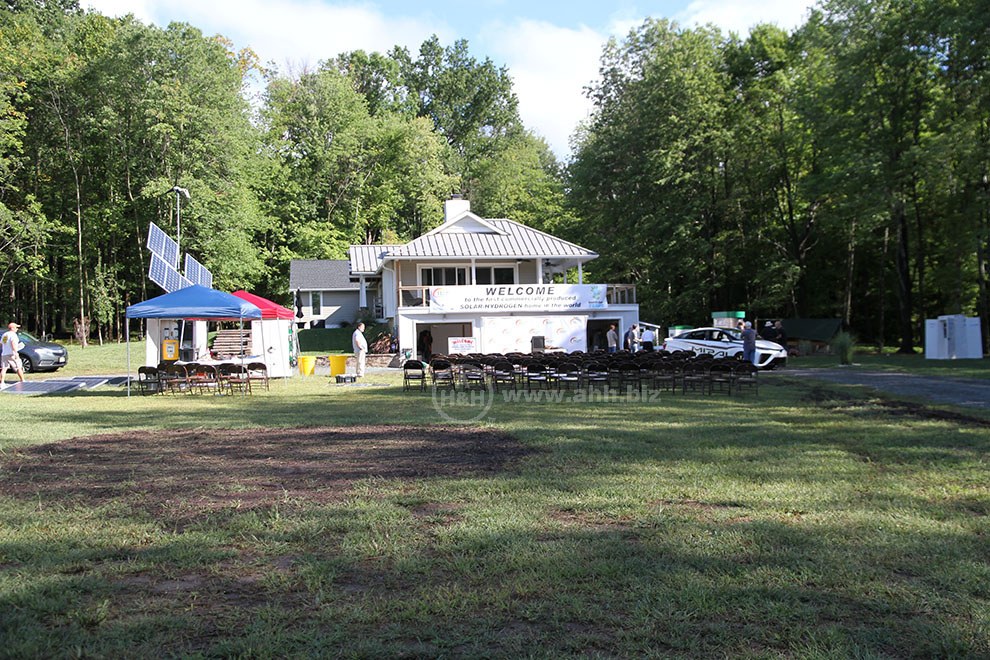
<point>367,259</point>
<point>514,240</point>
<point>320,275</point>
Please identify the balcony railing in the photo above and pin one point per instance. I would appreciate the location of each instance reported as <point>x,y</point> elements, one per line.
<point>419,296</point>
<point>620,294</point>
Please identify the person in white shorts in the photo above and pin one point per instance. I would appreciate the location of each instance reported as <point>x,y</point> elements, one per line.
<point>10,343</point>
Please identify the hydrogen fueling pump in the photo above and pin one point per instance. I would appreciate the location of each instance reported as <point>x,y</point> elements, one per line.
<point>170,342</point>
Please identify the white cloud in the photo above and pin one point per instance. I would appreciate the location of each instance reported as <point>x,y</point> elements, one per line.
<point>550,67</point>
<point>291,33</point>
<point>740,15</point>
<point>140,8</point>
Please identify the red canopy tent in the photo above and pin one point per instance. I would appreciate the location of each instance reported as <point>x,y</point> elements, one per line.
<point>280,346</point>
<point>269,309</point>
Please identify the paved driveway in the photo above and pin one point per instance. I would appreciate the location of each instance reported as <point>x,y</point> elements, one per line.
<point>967,392</point>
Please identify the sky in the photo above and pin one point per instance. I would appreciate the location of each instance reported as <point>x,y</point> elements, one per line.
<point>551,48</point>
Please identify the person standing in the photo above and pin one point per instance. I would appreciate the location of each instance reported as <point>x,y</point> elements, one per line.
<point>612,336</point>
<point>10,344</point>
<point>749,342</point>
<point>781,335</point>
<point>648,338</point>
<point>426,345</point>
<point>630,339</point>
<point>768,333</point>
<point>360,346</point>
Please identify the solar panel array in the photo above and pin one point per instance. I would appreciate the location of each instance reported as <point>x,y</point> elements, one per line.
<point>162,244</point>
<point>163,270</point>
<point>198,273</point>
<point>164,275</point>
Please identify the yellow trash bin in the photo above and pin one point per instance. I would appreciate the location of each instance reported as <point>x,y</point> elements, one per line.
<point>306,365</point>
<point>338,365</point>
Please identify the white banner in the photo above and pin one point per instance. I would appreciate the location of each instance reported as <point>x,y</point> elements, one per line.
<point>506,334</point>
<point>517,298</point>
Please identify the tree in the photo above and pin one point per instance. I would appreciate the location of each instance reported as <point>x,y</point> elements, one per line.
<point>651,165</point>
<point>169,110</point>
<point>24,230</point>
<point>470,103</point>
<point>882,94</point>
<point>523,183</point>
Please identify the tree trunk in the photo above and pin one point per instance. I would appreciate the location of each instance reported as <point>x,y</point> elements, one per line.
<point>83,340</point>
<point>983,272</point>
<point>903,262</point>
<point>850,268</point>
<point>882,290</point>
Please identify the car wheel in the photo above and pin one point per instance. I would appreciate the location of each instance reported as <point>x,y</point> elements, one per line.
<point>26,364</point>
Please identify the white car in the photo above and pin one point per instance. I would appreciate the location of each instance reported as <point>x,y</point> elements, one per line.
<point>726,342</point>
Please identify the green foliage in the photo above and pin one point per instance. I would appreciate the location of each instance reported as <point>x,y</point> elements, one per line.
<point>651,164</point>
<point>844,346</point>
<point>523,184</point>
<point>336,340</point>
<point>835,171</point>
<point>831,172</point>
<point>168,111</point>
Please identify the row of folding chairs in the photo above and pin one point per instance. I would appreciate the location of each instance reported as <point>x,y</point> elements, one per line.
<point>703,373</point>
<point>195,378</point>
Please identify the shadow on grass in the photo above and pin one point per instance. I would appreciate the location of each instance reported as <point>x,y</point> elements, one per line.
<point>690,526</point>
<point>385,576</point>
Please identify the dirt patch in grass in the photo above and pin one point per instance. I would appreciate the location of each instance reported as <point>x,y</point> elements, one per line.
<point>182,475</point>
<point>841,401</point>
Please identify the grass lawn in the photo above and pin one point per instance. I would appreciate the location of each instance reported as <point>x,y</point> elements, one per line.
<point>902,363</point>
<point>345,521</point>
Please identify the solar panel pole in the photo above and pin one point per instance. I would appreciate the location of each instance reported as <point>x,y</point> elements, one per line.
<point>178,221</point>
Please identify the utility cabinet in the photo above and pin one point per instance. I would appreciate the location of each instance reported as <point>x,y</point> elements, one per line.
<point>953,337</point>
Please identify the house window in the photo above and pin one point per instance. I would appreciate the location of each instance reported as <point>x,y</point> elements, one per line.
<point>505,275</point>
<point>443,276</point>
<point>316,302</point>
<point>495,275</point>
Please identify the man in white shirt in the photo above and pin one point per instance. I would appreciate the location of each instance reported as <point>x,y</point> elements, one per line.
<point>360,346</point>
<point>10,343</point>
<point>648,338</point>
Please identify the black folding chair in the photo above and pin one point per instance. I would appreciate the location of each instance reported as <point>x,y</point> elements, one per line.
<point>442,374</point>
<point>413,373</point>
<point>147,380</point>
<point>745,375</point>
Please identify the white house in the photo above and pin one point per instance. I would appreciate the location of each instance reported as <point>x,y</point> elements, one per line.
<point>490,281</point>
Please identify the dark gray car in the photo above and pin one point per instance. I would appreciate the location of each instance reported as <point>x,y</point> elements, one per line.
<point>40,355</point>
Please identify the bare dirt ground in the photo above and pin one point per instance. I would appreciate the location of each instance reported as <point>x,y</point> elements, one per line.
<point>182,479</point>
<point>179,476</point>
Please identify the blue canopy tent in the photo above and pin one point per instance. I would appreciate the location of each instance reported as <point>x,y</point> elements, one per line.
<point>192,302</point>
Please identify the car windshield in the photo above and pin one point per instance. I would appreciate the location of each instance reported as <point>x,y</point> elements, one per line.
<point>26,337</point>
<point>734,335</point>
